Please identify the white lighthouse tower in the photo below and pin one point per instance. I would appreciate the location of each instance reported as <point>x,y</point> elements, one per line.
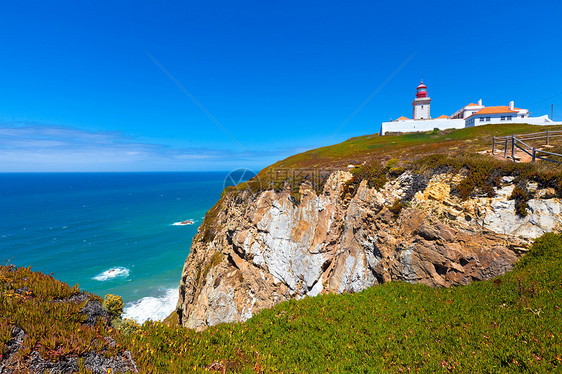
<point>421,103</point>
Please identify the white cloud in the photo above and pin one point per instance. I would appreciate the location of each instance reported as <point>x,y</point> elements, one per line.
<point>38,147</point>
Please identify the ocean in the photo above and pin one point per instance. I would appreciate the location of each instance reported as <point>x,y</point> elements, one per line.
<point>108,232</point>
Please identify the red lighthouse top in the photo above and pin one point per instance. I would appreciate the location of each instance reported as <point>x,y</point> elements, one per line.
<point>422,90</point>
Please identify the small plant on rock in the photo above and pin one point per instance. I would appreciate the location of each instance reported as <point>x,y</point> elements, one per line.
<point>113,304</point>
<point>396,207</point>
<point>128,326</point>
<point>521,197</point>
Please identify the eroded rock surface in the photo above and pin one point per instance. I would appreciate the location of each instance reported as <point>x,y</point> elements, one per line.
<point>268,249</point>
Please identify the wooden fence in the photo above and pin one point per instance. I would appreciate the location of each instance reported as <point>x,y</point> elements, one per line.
<point>519,143</point>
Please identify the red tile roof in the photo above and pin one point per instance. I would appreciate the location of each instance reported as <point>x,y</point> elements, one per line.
<point>494,110</point>
<point>402,118</point>
<point>443,116</point>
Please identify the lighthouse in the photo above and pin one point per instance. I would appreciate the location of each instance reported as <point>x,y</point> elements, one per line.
<point>421,103</point>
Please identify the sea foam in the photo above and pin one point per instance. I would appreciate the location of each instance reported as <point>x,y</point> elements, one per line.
<point>153,308</point>
<point>112,273</point>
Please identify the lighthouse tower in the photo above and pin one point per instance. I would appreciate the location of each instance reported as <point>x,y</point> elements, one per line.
<point>421,103</point>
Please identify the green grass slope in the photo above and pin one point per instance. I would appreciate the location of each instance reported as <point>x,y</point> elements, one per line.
<point>407,149</point>
<point>510,324</point>
<point>405,146</point>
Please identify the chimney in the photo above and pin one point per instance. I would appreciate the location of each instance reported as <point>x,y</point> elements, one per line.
<point>480,102</point>
<point>511,105</point>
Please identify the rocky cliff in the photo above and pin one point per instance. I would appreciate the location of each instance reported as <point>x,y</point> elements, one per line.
<point>266,248</point>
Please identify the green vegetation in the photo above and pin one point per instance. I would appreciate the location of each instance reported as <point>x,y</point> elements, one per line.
<point>373,173</point>
<point>216,259</point>
<point>128,327</point>
<point>49,312</point>
<point>509,324</point>
<point>402,152</point>
<point>521,197</point>
<point>396,208</point>
<point>207,228</point>
<point>113,304</point>
<point>484,173</point>
<point>403,147</point>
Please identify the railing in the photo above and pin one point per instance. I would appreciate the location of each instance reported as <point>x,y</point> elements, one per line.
<point>518,142</point>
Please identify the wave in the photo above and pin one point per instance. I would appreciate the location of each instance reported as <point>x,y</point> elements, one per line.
<point>112,273</point>
<point>153,308</point>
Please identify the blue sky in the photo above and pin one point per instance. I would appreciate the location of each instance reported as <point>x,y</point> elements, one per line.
<point>219,85</point>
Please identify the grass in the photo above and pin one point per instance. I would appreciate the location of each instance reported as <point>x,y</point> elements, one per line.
<point>406,146</point>
<point>315,165</point>
<point>509,324</point>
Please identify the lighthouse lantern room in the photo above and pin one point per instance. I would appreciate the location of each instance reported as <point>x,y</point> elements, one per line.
<point>421,103</point>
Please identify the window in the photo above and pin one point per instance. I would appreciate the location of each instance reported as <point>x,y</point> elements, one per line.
<point>502,118</point>
<point>522,116</point>
<point>509,118</point>
<point>488,119</point>
<point>481,119</point>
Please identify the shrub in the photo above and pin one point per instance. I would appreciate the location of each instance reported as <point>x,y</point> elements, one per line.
<point>392,163</point>
<point>207,228</point>
<point>215,260</point>
<point>521,197</point>
<point>128,326</point>
<point>482,177</point>
<point>113,304</point>
<point>396,207</point>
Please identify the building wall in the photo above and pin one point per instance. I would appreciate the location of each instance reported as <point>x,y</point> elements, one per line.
<point>496,119</point>
<point>421,111</point>
<point>466,111</point>
<point>470,112</point>
<point>421,125</point>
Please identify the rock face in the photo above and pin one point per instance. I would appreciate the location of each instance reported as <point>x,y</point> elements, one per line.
<point>269,249</point>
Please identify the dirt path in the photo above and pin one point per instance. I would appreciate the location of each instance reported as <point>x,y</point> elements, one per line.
<point>520,156</point>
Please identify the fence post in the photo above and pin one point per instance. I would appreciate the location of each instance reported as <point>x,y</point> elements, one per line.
<point>534,154</point>
<point>547,137</point>
<point>505,147</point>
<point>493,144</point>
<point>513,147</point>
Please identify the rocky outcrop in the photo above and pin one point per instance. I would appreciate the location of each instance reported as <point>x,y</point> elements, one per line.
<point>268,248</point>
<point>95,362</point>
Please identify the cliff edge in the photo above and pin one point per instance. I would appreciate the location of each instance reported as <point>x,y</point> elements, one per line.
<point>444,225</point>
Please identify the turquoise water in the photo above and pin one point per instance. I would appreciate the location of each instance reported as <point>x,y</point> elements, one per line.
<point>108,232</point>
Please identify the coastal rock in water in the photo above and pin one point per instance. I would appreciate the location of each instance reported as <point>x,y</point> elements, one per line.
<point>253,252</point>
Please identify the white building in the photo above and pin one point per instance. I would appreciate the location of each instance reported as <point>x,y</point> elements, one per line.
<point>498,114</point>
<point>467,116</point>
<point>468,110</point>
<point>421,103</point>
